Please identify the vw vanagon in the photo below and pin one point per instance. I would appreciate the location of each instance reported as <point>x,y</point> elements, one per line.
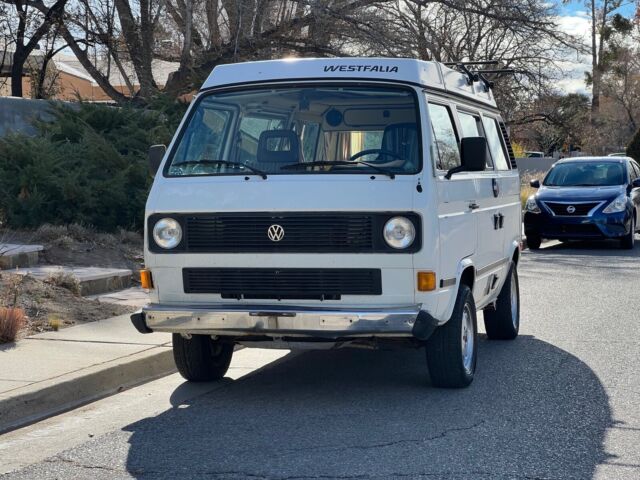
<point>330,203</point>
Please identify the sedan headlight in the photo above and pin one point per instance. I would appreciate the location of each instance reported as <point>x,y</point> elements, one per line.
<point>167,233</point>
<point>619,204</point>
<point>399,232</point>
<point>532,206</point>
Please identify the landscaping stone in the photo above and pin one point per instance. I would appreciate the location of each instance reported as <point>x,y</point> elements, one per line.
<point>133,297</point>
<point>15,255</point>
<point>91,280</point>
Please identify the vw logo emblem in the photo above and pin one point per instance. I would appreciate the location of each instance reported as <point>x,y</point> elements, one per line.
<point>571,209</point>
<point>275,233</point>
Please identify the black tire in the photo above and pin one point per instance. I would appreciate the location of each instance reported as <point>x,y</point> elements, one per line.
<point>534,242</point>
<point>501,322</point>
<point>200,358</point>
<point>444,348</point>
<point>628,241</point>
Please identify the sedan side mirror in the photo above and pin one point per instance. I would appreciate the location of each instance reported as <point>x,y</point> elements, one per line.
<point>156,154</point>
<point>473,156</point>
<point>535,183</point>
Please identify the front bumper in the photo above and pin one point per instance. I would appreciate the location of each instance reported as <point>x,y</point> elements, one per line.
<point>293,321</point>
<point>597,226</point>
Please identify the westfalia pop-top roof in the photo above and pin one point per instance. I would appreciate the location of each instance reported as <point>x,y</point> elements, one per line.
<point>427,74</point>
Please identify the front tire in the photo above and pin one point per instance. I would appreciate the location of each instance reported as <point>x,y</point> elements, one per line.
<point>628,241</point>
<point>200,358</point>
<point>452,349</point>
<point>503,321</point>
<point>534,242</point>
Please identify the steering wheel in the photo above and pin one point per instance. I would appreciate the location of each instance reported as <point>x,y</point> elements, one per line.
<point>379,151</point>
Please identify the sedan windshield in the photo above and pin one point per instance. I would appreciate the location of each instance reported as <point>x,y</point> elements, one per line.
<point>305,130</point>
<point>586,174</point>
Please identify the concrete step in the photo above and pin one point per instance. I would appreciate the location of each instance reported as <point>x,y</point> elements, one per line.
<point>15,255</point>
<point>132,297</point>
<point>90,280</point>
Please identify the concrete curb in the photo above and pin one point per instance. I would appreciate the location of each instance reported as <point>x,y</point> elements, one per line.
<point>57,395</point>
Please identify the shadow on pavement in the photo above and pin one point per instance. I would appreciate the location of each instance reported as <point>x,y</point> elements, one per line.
<point>605,254</point>
<point>533,410</point>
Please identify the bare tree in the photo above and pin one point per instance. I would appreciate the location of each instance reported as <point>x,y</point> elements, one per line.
<point>34,20</point>
<point>605,23</point>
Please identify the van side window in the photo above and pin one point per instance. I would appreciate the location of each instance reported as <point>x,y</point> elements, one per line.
<point>444,137</point>
<point>496,146</point>
<point>471,127</point>
<point>632,172</point>
<point>636,168</point>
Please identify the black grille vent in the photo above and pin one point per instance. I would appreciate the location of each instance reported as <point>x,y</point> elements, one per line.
<point>579,209</point>
<point>248,233</point>
<point>284,283</point>
<point>505,134</point>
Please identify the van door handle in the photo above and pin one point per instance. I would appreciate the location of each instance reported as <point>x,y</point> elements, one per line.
<point>474,206</point>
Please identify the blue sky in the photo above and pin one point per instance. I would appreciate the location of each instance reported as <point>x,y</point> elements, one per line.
<point>573,19</point>
<point>575,7</point>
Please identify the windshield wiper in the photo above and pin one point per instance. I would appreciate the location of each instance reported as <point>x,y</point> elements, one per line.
<point>205,161</point>
<point>325,163</point>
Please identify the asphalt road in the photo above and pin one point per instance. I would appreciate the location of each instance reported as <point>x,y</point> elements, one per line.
<point>560,402</point>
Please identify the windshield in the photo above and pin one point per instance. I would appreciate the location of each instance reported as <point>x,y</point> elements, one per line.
<point>340,129</point>
<point>585,174</point>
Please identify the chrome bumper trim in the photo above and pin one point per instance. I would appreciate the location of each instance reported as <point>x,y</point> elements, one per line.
<point>275,320</point>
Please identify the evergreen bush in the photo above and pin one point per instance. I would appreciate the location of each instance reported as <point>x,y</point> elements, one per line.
<point>88,166</point>
<point>633,149</point>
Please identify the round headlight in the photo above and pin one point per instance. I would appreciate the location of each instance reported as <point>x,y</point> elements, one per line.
<point>167,233</point>
<point>399,232</point>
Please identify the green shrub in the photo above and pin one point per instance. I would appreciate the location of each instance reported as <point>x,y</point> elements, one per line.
<point>633,149</point>
<point>88,166</point>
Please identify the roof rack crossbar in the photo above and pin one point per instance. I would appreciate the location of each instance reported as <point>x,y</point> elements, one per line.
<point>498,70</point>
<point>479,62</point>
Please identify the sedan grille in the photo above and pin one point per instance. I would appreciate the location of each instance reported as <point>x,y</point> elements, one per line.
<point>283,283</point>
<point>571,209</point>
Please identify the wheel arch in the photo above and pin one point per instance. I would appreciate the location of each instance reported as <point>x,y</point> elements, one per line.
<point>466,275</point>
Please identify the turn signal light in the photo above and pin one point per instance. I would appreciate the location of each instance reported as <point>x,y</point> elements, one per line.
<point>426,281</point>
<point>146,280</point>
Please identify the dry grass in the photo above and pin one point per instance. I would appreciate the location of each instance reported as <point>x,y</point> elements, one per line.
<point>64,280</point>
<point>55,323</point>
<point>12,320</point>
<point>527,190</point>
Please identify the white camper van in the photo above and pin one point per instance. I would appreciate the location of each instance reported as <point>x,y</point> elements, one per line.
<point>329,203</point>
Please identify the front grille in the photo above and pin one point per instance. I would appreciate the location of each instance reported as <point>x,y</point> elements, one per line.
<point>284,283</point>
<point>322,232</point>
<point>585,230</point>
<point>248,233</point>
<point>581,209</point>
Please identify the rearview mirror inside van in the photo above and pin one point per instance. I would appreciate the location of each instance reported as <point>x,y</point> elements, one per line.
<point>156,154</point>
<point>473,156</point>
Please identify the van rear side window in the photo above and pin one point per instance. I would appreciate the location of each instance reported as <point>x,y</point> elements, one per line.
<point>471,126</point>
<point>444,137</point>
<point>495,143</point>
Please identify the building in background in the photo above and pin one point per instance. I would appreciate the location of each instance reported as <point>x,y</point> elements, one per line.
<point>66,79</point>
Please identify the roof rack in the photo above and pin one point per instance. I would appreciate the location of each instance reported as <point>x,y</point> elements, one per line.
<point>475,75</point>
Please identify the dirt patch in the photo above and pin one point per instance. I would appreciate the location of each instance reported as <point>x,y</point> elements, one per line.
<point>54,303</point>
<point>79,246</point>
<point>50,307</point>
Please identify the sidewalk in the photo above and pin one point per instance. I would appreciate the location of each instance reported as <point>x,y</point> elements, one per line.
<point>52,372</point>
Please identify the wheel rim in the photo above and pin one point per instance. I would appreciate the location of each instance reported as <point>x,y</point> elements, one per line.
<point>514,300</point>
<point>468,339</point>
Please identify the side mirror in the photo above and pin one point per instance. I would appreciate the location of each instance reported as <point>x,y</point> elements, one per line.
<point>156,154</point>
<point>473,156</point>
<point>635,183</point>
<point>535,183</point>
